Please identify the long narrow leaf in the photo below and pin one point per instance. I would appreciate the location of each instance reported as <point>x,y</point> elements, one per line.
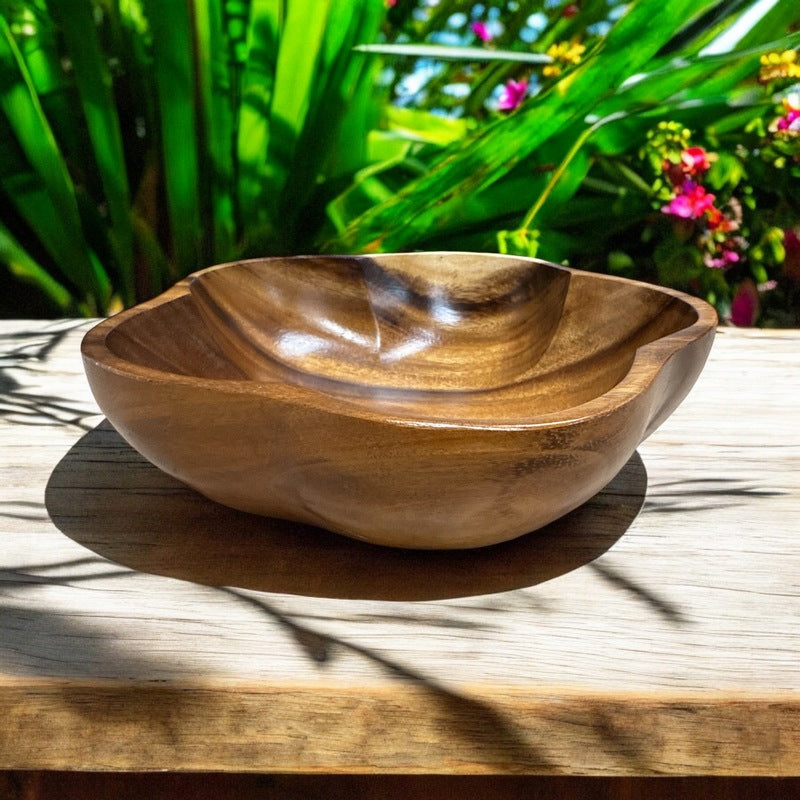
<point>94,85</point>
<point>25,269</point>
<point>23,110</point>
<point>216,115</point>
<point>782,18</point>
<point>454,53</point>
<point>707,27</point>
<point>338,117</point>
<point>296,76</point>
<point>174,70</point>
<point>712,74</point>
<point>256,208</point>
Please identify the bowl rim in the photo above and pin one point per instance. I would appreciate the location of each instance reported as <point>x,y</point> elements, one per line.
<point>648,360</point>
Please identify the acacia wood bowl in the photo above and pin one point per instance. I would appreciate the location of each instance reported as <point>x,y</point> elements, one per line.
<point>429,400</point>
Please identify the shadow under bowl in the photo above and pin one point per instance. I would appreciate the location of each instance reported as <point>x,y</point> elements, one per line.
<point>428,400</point>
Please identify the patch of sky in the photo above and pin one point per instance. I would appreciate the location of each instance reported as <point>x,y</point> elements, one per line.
<point>449,38</point>
<point>533,27</point>
<point>457,90</point>
<point>494,13</point>
<point>457,20</point>
<point>410,87</point>
<point>617,11</point>
<point>600,28</point>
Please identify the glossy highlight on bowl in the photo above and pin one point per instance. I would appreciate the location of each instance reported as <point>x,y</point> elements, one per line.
<point>427,400</point>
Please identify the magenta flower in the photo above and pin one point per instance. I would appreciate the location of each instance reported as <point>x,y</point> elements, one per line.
<point>481,31</point>
<point>695,161</point>
<point>692,202</point>
<point>513,94</point>
<point>745,304</point>
<point>790,121</point>
<point>725,259</point>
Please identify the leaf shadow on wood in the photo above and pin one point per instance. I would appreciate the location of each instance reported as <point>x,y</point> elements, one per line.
<point>28,350</point>
<point>108,498</point>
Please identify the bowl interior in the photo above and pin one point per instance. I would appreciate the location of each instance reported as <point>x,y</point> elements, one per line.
<point>375,336</point>
<point>438,322</point>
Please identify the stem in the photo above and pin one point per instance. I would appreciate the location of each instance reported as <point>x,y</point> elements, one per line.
<point>561,168</point>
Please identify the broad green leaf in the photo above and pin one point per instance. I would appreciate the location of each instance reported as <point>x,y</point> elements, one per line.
<point>353,98</point>
<point>422,126</point>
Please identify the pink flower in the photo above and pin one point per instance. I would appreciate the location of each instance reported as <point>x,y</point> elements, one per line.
<point>789,122</point>
<point>691,203</point>
<point>725,259</point>
<point>571,10</point>
<point>745,304</point>
<point>481,31</point>
<point>695,161</point>
<point>513,94</point>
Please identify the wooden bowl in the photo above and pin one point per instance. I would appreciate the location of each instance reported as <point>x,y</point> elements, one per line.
<point>429,400</point>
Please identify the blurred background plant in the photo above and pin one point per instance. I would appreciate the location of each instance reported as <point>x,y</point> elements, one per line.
<point>143,140</point>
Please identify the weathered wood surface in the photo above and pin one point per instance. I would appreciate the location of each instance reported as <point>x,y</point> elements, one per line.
<point>145,628</point>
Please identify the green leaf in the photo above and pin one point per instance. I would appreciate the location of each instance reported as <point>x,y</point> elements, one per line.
<point>175,77</point>
<point>256,207</point>
<point>217,125</point>
<point>25,269</point>
<point>454,53</point>
<point>698,78</point>
<point>707,26</point>
<point>422,126</point>
<point>334,82</point>
<point>94,84</point>
<point>62,230</point>
<point>783,17</point>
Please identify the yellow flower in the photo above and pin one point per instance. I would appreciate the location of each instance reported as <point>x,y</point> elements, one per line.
<point>778,66</point>
<point>564,54</point>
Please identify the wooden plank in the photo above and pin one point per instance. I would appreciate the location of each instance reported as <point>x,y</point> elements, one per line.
<point>654,631</point>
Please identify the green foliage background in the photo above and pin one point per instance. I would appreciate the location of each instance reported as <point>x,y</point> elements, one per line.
<point>141,140</point>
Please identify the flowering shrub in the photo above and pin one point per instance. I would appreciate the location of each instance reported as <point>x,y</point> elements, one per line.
<point>721,219</point>
<point>701,194</point>
<point>143,140</point>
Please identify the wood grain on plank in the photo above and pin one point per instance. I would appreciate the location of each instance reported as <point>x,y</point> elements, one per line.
<point>656,631</point>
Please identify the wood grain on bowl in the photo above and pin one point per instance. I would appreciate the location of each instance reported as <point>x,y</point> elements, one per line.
<point>534,386</point>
